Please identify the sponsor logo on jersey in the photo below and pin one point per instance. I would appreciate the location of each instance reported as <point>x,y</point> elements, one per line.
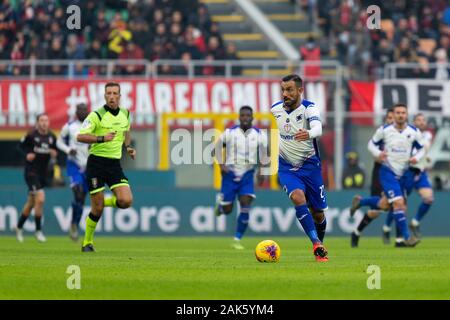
<point>287,127</point>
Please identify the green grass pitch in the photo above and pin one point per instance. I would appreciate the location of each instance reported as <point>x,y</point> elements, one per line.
<point>208,268</point>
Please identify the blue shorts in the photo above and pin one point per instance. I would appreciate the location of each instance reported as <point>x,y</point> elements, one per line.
<point>394,187</point>
<point>76,175</point>
<point>232,186</point>
<point>307,178</point>
<point>420,181</point>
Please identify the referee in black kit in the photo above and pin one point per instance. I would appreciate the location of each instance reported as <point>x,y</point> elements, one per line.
<point>38,146</point>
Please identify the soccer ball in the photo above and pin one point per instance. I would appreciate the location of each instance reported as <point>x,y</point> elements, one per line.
<point>267,251</point>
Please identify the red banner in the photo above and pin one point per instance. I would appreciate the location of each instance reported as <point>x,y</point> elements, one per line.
<point>362,94</point>
<point>420,95</point>
<point>22,100</point>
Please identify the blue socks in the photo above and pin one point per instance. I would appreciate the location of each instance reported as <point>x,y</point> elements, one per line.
<point>372,202</point>
<point>389,219</point>
<point>401,222</point>
<point>422,211</point>
<point>307,222</point>
<point>242,222</point>
<point>77,212</point>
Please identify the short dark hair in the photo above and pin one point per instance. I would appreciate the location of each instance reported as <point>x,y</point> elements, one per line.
<point>246,108</point>
<point>397,105</point>
<point>40,115</point>
<point>420,114</point>
<point>112,84</point>
<point>293,77</point>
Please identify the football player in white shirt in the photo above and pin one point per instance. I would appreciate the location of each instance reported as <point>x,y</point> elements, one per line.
<point>77,154</point>
<point>299,170</point>
<point>245,146</point>
<point>421,181</point>
<point>396,176</point>
<point>376,202</point>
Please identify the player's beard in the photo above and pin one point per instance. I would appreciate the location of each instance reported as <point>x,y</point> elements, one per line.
<point>290,102</point>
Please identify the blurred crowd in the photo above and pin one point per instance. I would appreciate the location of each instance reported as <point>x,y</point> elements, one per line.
<point>411,31</point>
<point>110,29</point>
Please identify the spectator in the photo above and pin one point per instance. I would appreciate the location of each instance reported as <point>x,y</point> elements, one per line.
<point>4,70</point>
<point>215,49</point>
<point>166,70</point>
<point>56,52</point>
<point>384,53</point>
<point>201,18</point>
<point>74,49</point>
<point>197,36</point>
<point>161,34</point>
<point>444,43</point>
<point>175,34</point>
<point>7,24</point>
<point>404,50</point>
<point>177,17</point>
<point>191,47</point>
<point>310,53</point>
<point>88,17</point>
<point>429,25</point>
<point>400,31</point>
<point>80,71</point>
<point>171,51</point>
<point>95,50</point>
<point>141,33</point>
<point>231,54</point>
<point>214,32</point>
<point>154,51</point>
<point>442,70</point>
<point>101,29</point>
<point>183,70</point>
<point>60,17</point>
<point>209,69</point>
<point>4,47</point>
<point>117,38</point>
<point>41,23</point>
<point>158,18</point>
<point>353,176</point>
<point>446,17</point>
<point>16,53</point>
<point>132,52</point>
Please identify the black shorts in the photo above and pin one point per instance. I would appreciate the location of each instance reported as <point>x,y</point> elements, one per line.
<point>35,181</point>
<point>100,170</point>
<point>375,188</point>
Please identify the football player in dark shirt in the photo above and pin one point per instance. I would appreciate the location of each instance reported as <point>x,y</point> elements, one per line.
<point>38,147</point>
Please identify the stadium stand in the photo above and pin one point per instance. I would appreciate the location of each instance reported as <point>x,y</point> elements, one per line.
<point>149,30</point>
